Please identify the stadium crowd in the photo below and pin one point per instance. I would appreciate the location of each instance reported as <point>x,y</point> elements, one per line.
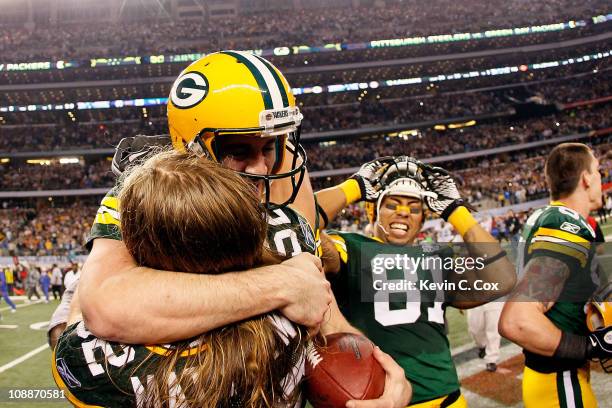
<point>345,153</point>
<point>57,136</point>
<point>56,176</point>
<point>83,70</point>
<point>62,230</point>
<point>432,143</point>
<point>49,231</point>
<point>427,77</point>
<point>55,131</point>
<point>326,24</point>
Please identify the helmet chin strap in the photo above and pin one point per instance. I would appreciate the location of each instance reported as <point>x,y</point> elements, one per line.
<point>378,225</point>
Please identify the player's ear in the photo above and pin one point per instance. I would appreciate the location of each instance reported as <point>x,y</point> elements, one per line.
<point>585,179</point>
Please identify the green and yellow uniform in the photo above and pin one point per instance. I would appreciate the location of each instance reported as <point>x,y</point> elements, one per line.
<point>559,232</point>
<point>99,373</point>
<point>94,372</point>
<point>289,233</point>
<point>406,321</point>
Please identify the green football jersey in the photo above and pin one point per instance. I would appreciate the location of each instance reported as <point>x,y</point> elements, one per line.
<point>406,321</point>
<point>559,232</point>
<point>289,233</point>
<point>99,373</point>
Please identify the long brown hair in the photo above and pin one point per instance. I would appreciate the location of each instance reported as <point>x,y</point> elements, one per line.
<point>180,212</point>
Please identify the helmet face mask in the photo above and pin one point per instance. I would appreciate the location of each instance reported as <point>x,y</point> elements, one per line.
<point>234,95</point>
<point>217,152</point>
<point>399,178</point>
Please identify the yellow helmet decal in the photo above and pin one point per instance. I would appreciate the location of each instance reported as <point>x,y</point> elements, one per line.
<point>232,90</point>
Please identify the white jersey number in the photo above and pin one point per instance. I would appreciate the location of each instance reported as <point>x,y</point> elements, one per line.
<point>411,313</point>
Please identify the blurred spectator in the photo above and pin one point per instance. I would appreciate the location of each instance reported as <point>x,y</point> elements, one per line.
<point>32,283</point>
<point>56,282</point>
<point>45,284</point>
<point>482,326</point>
<point>9,280</point>
<point>72,275</point>
<point>4,289</point>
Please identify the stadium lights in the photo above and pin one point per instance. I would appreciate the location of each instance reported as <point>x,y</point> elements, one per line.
<point>68,160</point>
<point>318,89</point>
<point>42,162</point>
<point>462,125</point>
<point>404,134</point>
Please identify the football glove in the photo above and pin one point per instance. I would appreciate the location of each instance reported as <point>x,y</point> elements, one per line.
<point>442,183</point>
<point>132,149</point>
<point>412,168</point>
<point>368,177</point>
<point>600,345</point>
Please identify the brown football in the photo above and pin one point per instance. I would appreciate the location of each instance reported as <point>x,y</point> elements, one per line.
<point>342,370</point>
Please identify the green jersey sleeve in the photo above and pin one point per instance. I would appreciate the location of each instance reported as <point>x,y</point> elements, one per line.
<point>561,233</point>
<point>340,244</point>
<point>107,223</point>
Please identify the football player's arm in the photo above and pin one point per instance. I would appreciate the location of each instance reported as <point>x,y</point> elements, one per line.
<point>523,320</point>
<point>493,266</point>
<point>61,315</point>
<point>358,187</point>
<point>335,322</point>
<point>123,302</point>
<point>332,262</point>
<point>333,200</point>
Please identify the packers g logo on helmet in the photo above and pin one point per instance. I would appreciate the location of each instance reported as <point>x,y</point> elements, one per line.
<point>189,90</point>
<point>237,93</point>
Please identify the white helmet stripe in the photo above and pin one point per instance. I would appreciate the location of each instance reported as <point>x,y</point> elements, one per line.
<point>275,92</point>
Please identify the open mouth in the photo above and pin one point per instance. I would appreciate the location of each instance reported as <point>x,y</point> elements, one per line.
<point>399,229</point>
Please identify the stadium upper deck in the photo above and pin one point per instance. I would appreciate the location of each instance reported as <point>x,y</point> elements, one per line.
<point>336,76</point>
<point>478,61</point>
<point>87,29</point>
